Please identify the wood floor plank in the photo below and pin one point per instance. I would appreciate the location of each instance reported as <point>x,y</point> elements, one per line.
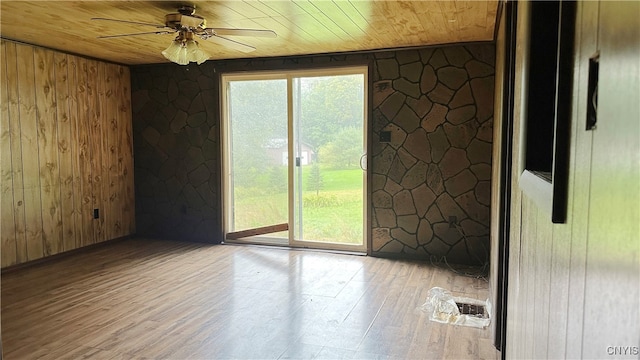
<point>144,298</point>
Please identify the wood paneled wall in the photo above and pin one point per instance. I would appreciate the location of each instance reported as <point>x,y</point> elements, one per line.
<point>574,288</point>
<point>66,150</point>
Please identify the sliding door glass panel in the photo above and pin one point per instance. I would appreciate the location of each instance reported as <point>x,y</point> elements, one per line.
<point>257,145</point>
<point>328,132</point>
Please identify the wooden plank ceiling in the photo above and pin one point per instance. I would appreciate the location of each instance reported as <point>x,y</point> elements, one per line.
<point>303,27</point>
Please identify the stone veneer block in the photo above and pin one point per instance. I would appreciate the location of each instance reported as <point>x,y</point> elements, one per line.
<point>420,106</point>
<point>197,106</point>
<point>197,119</point>
<point>404,237</point>
<point>438,60</point>
<point>411,71</point>
<point>397,170</point>
<point>485,132</point>
<point>449,207</point>
<point>382,162</point>
<point>477,69</point>
<point>189,88</point>
<point>386,218</point>
<point>403,203</point>
<point>379,122</point>
<point>428,80</point>
<point>388,69</point>
<point>381,199</point>
<point>377,182</point>
<point>196,135</point>
<point>461,114</point>
<point>179,121</point>
<point>453,162</point>
<point>483,193</point>
<point>199,175</point>
<point>380,237</point>
<point>392,187</point>
<point>434,179</point>
<point>425,54</point>
<point>415,176</point>
<point>462,97</point>
<point>423,197</point>
<point>405,57</point>
<point>446,233</point>
<point>483,52</point>
<point>461,135</point>
<point>434,118</point>
<point>392,105</point>
<point>425,233</point>
<point>473,228</point>
<point>407,119</point>
<point>416,145</point>
<point>456,55</point>
<point>433,215</point>
<point>409,223</point>
<point>479,152</point>
<point>407,88</point>
<point>461,183</point>
<point>441,94</point>
<point>393,247</point>
<point>474,209</point>
<point>482,89</point>
<point>151,135</point>
<point>168,169</point>
<point>382,90</point>
<point>407,159</point>
<point>452,77</point>
<point>439,144</point>
<point>481,171</point>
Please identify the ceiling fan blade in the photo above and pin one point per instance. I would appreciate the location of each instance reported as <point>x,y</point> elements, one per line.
<point>130,22</point>
<point>231,43</point>
<point>136,34</point>
<point>245,32</point>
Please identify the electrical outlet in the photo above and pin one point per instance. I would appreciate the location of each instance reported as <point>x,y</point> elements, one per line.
<point>96,213</point>
<point>453,220</point>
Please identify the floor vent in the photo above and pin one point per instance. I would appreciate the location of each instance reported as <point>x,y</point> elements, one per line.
<point>472,310</point>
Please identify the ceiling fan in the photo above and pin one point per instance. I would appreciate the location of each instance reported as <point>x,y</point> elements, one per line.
<point>188,25</point>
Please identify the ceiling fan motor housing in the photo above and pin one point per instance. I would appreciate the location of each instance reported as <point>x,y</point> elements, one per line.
<point>184,22</point>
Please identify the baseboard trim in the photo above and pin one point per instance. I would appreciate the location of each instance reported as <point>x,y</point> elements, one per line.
<point>62,255</point>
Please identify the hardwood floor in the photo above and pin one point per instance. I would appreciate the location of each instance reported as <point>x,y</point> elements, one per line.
<point>142,298</point>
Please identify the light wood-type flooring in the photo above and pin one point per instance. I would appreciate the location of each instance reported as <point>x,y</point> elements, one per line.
<point>150,299</point>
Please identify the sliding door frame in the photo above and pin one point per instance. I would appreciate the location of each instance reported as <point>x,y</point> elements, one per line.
<point>346,68</point>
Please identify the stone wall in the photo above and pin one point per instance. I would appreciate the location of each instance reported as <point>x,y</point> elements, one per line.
<point>436,103</point>
<point>177,155</point>
<point>431,180</point>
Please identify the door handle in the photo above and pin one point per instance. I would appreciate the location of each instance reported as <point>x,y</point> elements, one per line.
<point>363,162</point>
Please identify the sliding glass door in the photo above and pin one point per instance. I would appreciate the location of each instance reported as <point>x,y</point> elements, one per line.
<point>257,187</point>
<point>316,196</point>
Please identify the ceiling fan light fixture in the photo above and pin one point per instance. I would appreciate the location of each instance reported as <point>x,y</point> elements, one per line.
<point>183,58</point>
<point>196,54</point>
<point>174,51</point>
<point>184,50</point>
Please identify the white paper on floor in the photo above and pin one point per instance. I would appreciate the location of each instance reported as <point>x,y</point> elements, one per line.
<point>442,307</point>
